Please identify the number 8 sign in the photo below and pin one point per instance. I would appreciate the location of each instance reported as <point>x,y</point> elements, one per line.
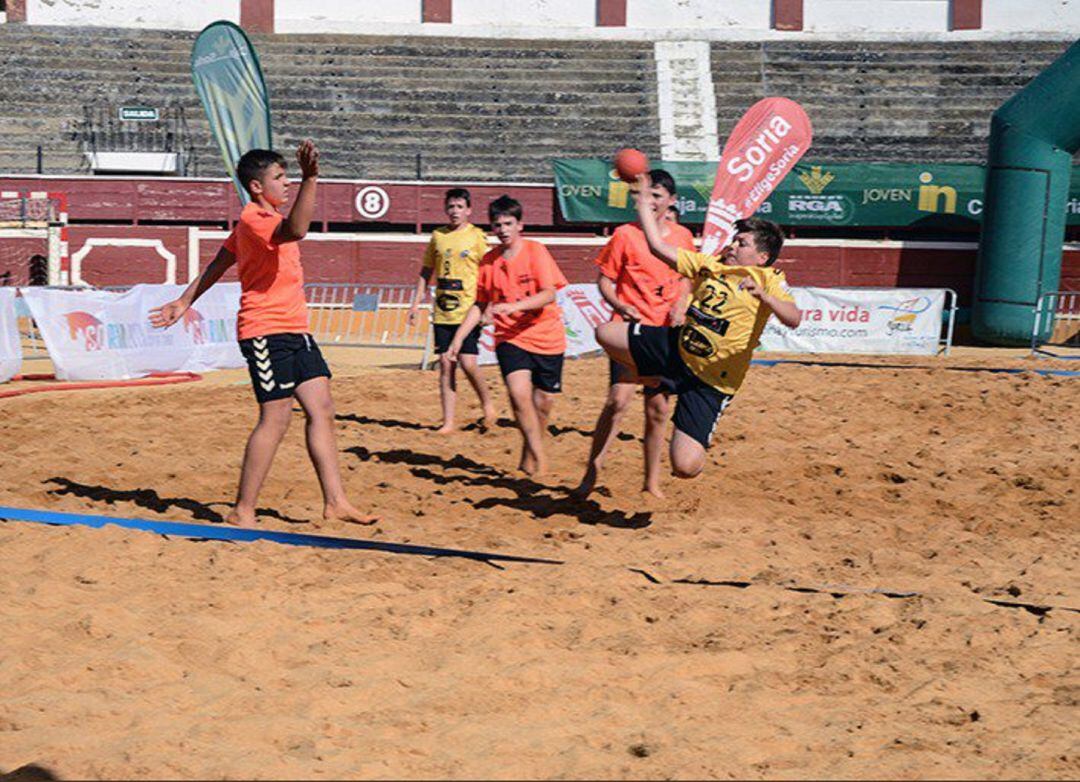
<point>372,202</point>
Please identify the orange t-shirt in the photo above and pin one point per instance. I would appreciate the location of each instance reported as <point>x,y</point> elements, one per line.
<point>271,278</point>
<point>641,279</point>
<point>527,273</point>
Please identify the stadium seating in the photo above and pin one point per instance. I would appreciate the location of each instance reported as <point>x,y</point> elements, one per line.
<point>494,110</point>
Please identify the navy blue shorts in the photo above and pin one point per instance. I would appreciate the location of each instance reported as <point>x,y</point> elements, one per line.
<point>444,335</point>
<point>546,369</point>
<point>278,363</point>
<point>655,350</point>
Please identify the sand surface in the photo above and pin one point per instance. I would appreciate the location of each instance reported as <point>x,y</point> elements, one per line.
<point>759,622</point>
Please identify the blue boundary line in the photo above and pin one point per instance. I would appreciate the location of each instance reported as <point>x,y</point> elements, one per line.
<point>772,362</point>
<point>245,535</point>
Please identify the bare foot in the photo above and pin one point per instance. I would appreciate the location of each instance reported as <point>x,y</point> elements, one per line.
<point>588,482</point>
<point>491,417</point>
<point>346,512</point>
<point>655,491</point>
<point>240,517</point>
<point>446,429</point>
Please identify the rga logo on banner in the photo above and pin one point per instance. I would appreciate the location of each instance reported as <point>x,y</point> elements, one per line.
<point>595,311</point>
<point>203,330</point>
<point>816,207</point>
<point>97,334</point>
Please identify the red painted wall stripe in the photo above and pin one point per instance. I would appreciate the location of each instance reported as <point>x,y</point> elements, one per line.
<point>438,11</point>
<point>611,13</point>
<point>965,15</point>
<point>16,10</point>
<point>787,15</point>
<point>257,16</point>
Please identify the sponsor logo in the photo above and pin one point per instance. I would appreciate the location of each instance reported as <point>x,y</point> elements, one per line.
<point>905,313</point>
<point>744,165</point>
<point>595,312</point>
<point>96,334</point>
<point>815,180</point>
<point>90,328</point>
<point>618,191</point>
<point>935,198</point>
<point>203,330</point>
<point>695,343</point>
<point>447,302</point>
<point>874,195</point>
<point>816,207</point>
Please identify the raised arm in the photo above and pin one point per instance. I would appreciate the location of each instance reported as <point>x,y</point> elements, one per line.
<point>668,253</point>
<point>167,314</point>
<point>295,226</point>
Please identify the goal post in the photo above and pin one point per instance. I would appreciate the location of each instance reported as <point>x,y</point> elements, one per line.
<point>33,234</point>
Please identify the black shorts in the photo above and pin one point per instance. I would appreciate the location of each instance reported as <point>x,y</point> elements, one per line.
<point>546,370</point>
<point>618,373</point>
<point>278,363</point>
<point>444,335</point>
<point>655,350</point>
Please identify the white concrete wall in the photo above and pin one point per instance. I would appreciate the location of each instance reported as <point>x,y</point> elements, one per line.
<point>646,19</point>
<point>873,16</point>
<point>343,16</point>
<point>525,13</point>
<point>1034,16</point>
<point>698,14</point>
<point>160,14</point>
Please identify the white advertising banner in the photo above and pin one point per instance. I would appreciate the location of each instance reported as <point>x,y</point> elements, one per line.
<point>104,335</point>
<point>861,320</point>
<point>583,309</point>
<point>10,346</point>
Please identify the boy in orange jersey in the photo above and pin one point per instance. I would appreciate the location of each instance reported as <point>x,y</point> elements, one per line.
<point>453,255</point>
<point>516,291</point>
<point>707,358</point>
<point>640,289</point>
<point>283,360</point>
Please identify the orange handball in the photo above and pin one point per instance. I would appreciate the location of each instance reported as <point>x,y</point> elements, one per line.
<point>629,163</point>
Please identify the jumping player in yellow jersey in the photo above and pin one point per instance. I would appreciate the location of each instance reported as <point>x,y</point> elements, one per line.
<point>705,360</point>
<point>453,255</point>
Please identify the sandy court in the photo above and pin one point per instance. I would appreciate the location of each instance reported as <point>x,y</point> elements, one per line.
<point>819,604</point>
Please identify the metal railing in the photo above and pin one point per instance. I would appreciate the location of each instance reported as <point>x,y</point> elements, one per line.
<point>365,315</point>
<point>1056,323</point>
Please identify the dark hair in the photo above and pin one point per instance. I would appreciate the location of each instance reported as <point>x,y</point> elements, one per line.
<point>458,192</point>
<point>661,178</point>
<point>254,164</point>
<point>674,208</point>
<point>768,238</point>
<point>504,205</point>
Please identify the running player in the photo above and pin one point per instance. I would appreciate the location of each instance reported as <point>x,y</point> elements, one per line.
<point>516,291</point>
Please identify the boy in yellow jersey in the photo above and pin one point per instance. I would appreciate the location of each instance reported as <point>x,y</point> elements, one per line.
<point>706,359</point>
<point>453,255</point>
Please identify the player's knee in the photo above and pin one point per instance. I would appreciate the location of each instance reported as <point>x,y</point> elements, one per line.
<point>656,410</point>
<point>446,366</point>
<point>690,469</point>
<point>544,402</point>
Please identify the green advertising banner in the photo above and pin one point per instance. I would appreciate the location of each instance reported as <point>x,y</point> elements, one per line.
<point>813,194</point>
<point>230,84</point>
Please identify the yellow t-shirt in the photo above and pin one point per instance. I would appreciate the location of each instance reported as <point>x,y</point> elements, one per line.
<point>455,256</point>
<point>723,324</point>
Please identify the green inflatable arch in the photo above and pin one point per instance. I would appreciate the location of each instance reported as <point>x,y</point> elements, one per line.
<point>1033,136</point>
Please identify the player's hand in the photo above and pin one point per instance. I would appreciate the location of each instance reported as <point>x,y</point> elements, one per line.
<point>642,183</point>
<point>452,351</point>
<point>502,308</point>
<point>167,314</point>
<point>630,312</point>
<point>307,155</point>
<point>410,319</point>
<point>750,286</point>
<point>486,318</point>
<point>678,316</point>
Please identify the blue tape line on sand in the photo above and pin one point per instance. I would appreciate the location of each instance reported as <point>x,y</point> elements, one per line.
<point>772,362</point>
<point>242,534</point>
